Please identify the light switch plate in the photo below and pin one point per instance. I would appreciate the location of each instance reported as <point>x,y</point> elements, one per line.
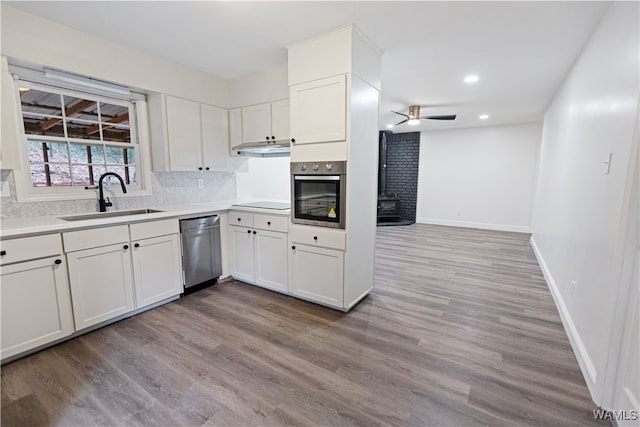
<point>4,189</point>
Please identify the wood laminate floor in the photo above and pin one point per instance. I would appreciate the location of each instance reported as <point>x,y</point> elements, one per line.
<point>460,330</point>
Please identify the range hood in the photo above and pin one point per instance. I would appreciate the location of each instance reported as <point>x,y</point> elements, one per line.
<point>264,148</point>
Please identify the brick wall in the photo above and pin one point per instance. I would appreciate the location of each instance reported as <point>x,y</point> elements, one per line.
<point>403,150</point>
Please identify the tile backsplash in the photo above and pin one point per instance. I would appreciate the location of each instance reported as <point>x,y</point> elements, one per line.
<point>167,188</point>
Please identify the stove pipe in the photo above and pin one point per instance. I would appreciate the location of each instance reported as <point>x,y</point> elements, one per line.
<point>382,185</point>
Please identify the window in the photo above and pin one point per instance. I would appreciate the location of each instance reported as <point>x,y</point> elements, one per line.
<point>72,137</point>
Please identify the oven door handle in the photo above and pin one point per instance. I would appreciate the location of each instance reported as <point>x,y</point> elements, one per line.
<point>316,178</point>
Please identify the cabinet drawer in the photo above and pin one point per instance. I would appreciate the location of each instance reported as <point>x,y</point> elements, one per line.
<point>145,230</point>
<point>86,239</point>
<point>27,248</point>
<point>271,222</point>
<point>241,218</point>
<point>321,237</point>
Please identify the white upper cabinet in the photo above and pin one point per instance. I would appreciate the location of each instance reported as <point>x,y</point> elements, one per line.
<point>265,122</point>
<point>319,111</point>
<point>235,129</point>
<point>187,136</point>
<point>9,144</point>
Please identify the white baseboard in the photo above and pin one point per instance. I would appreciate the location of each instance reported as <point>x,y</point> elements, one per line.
<point>584,361</point>
<point>480,225</point>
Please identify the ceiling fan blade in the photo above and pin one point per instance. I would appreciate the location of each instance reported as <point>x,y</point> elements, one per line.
<point>402,114</point>
<point>445,117</point>
<point>404,121</point>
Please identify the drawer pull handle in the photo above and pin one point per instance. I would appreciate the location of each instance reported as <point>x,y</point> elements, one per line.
<point>125,247</point>
<point>315,238</point>
<point>58,261</point>
<point>3,253</point>
<point>136,245</point>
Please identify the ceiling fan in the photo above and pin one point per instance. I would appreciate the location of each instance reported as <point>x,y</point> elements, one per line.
<point>413,118</point>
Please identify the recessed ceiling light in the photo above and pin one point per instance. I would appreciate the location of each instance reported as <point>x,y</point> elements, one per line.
<point>389,126</point>
<point>471,78</point>
<point>483,116</point>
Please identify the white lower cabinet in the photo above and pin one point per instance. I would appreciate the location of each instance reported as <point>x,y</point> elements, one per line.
<point>115,270</point>
<point>317,274</point>
<point>101,283</point>
<point>259,249</point>
<point>156,269</point>
<point>35,301</point>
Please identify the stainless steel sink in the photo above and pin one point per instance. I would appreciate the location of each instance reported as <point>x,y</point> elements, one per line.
<point>99,215</point>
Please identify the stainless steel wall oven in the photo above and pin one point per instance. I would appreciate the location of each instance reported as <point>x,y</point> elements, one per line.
<point>318,193</point>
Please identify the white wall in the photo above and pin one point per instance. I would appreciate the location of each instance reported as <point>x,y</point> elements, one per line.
<point>577,213</point>
<point>41,42</point>
<point>264,86</point>
<point>480,177</point>
<point>264,178</point>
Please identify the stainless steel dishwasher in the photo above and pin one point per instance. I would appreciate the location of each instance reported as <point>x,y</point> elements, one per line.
<point>201,258</point>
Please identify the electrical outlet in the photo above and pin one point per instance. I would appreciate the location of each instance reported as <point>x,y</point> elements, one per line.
<point>200,183</point>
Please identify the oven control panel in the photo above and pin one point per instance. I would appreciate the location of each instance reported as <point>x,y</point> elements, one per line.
<point>320,168</point>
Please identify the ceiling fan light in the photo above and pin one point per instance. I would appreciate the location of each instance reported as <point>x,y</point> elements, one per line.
<point>413,122</point>
<point>471,78</point>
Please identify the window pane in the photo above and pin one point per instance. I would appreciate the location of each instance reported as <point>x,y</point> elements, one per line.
<point>131,156</point>
<point>38,176</point>
<point>115,155</point>
<point>60,175</point>
<point>111,113</point>
<point>116,133</point>
<point>132,175</point>
<point>57,152</point>
<point>83,130</point>
<point>97,171</point>
<point>79,153</point>
<point>36,153</point>
<point>117,169</point>
<point>80,175</point>
<point>42,113</point>
<point>97,154</point>
<point>77,108</point>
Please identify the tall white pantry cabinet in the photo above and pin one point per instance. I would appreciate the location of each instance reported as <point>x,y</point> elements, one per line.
<point>334,87</point>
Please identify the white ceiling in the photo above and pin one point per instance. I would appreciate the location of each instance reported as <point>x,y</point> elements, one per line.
<point>521,51</point>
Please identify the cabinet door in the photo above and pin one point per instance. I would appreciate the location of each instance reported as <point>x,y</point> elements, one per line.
<point>317,274</point>
<point>215,137</point>
<point>156,269</point>
<point>235,129</point>
<point>319,111</point>
<point>9,157</point>
<point>280,120</point>
<point>256,123</point>
<point>242,256</point>
<point>35,304</point>
<point>184,134</point>
<point>271,260</point>
<point>101,284</point>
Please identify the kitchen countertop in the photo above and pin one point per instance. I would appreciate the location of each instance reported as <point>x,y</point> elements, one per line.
<point>22,227</point>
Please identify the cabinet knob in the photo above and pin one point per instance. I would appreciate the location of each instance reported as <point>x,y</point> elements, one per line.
<point>249,231</point>
<point>58,261</point>
<point>207,168</point>
<point>255,232</point>
<point>268,222</point>
<point>293,140</point>
<point>293,247</point>
<point>315,238</point>
<point>273,137</point>
<point>125,247</point>
<point>239,219</point>
<point>200,168</point>
<point>136,245</point>
<point>3,253</point>
<point>267,137</point>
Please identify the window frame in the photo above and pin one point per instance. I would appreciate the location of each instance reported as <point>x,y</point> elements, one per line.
<point>139,133</point>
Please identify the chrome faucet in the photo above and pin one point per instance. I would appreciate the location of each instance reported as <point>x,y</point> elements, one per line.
<point>102,203</point>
